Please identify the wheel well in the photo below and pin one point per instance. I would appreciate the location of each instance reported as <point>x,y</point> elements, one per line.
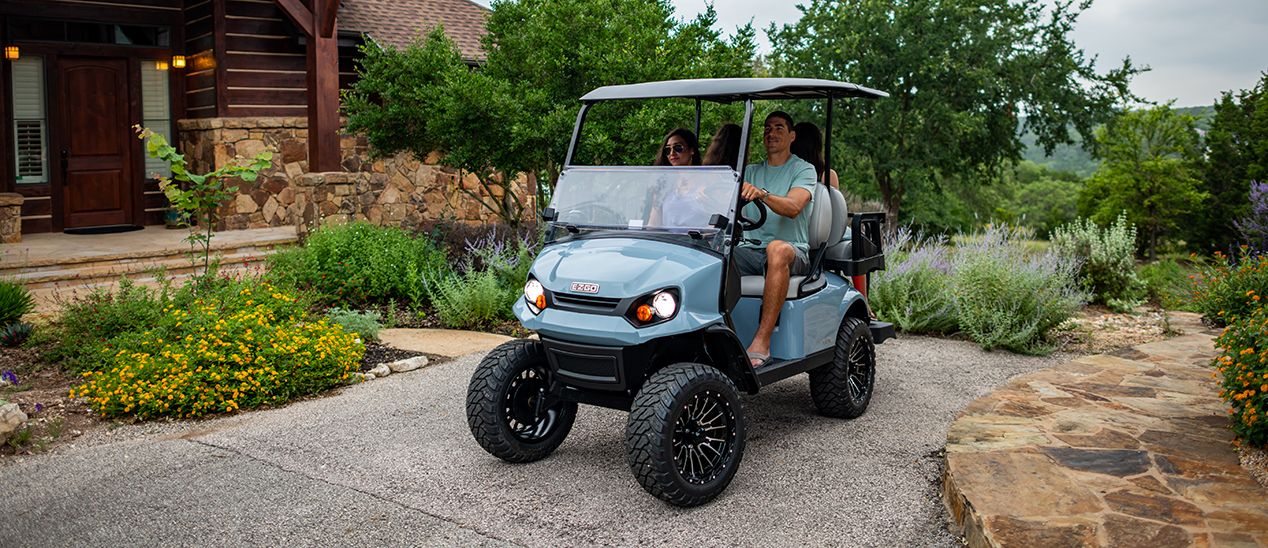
<point>704,348</point>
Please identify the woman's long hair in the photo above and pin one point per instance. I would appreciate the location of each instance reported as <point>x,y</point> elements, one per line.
<point>688,137</point>
<point>724,150</point>
<point>809,147</point>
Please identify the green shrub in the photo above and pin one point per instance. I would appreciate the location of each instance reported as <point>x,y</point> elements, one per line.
<point>1227,289</point>
<point>1005,297</point>
<point>1169,283</point>
<point>219,354</point>
<point>913,290</point>
<point>15,300</point>
<point>364,324</point>
<point>472,299</point>
<point>356,263</point>
<point>1244,386</point>
<point>1108,256</point>
<point>77,335</point>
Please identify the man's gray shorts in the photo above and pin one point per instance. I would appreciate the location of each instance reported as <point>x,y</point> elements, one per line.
<point>751,261</point>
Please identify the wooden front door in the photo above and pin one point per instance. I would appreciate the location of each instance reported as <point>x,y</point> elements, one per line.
<point>96,142</point>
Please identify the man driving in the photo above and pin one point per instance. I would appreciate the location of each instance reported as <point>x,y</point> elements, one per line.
<point>785,183</point>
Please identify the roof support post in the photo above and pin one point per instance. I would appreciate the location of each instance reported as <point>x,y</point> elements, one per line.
<point>317,21</point>
<point>827,140</point>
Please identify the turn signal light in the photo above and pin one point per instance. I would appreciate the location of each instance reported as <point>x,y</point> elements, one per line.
<point>541,301</point>
<point>644,313</point>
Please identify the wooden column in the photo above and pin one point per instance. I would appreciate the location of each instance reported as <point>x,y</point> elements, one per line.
<point>317,22</point>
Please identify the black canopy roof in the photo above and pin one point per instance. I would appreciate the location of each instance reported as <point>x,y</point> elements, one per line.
<point>727,90</point>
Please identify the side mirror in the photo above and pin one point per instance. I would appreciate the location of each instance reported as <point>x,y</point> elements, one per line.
<point>718,221</point>
<point>549,215</point>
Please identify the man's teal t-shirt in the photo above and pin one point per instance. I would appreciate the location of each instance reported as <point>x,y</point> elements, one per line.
<point>780,181</point>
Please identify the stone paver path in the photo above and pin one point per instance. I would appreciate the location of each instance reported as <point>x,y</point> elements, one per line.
<point>1127,449</point>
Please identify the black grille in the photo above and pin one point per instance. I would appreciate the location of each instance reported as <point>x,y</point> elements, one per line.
<point>589,366</point>
<point>586,303</point>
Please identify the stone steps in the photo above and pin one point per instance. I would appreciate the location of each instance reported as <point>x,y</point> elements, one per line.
<point>55,280</point>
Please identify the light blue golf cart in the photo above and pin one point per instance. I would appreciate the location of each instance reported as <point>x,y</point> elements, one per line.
<point>641,310</point>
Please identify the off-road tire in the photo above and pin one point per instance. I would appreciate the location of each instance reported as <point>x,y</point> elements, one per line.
<point>843,388</point>
<point>665,437</point>
<point>501,404</point>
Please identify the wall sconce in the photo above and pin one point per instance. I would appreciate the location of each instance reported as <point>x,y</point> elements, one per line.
<point>178,61</point>
<point>10,52</point>
<point>161,65</point>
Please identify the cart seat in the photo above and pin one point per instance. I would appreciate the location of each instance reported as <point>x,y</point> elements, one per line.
<point>828,222</point>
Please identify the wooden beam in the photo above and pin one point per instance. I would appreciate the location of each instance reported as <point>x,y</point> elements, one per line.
<point>298,13</point>
<point>326,11</point>
<point>323,104</point>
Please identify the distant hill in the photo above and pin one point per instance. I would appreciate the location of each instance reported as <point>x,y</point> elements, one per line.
<point>1074,159</point>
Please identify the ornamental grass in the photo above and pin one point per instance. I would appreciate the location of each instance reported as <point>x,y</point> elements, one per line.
<point>220,354</point>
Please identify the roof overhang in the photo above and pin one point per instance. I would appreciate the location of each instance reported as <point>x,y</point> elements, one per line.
<point>729,90</point>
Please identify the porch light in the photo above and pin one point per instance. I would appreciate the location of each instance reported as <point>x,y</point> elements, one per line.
<point>178,61</point>
<point>161,65</point>
<point>10,52</point>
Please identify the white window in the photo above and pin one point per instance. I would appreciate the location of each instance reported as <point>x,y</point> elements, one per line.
<point>156,111</point>
<point>30,121</point>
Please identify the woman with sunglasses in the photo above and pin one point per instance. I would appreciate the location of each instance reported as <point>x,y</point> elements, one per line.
<point>680,148</point>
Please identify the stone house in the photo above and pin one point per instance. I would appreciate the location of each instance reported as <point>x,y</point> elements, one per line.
<point>220,78</point>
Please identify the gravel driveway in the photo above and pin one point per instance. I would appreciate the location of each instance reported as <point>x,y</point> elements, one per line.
<point>392,463</point>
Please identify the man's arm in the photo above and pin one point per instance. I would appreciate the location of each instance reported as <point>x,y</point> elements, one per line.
<point>789,206</point>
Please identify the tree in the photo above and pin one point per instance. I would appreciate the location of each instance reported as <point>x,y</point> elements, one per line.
<point>515,113</point>
<point>1237,153</point>
<point>1149,169</point>
<point>959,74</point>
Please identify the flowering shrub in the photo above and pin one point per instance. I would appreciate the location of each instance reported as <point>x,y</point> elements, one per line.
<point>1244,365</point>
<point>218,355</point>
<point>1230,288</point>
<point>1005,297</point>
<point>78,334</point>
<point>1108,259</point>
<point>913,291</point>
<point>484,286</point>
<point>1254,227</point>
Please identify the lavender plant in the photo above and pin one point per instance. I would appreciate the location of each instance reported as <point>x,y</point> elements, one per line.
<point>1008,298</point>
<point>1254,227</point>
<point>482,288</point>
<point>914,291</point>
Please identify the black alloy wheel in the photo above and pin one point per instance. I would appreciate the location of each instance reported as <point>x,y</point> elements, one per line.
<point>506,406</point>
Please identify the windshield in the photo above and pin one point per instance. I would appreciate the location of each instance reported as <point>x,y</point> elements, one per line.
<point>674,201</point>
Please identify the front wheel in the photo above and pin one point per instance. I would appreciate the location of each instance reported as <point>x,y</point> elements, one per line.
<point>507,407</point>
<point>843,388</point>
<point>685,435</point>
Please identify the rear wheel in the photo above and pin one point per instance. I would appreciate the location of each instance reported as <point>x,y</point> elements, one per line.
<point>506,405</point>
<point>843,388</point>
<point>685,435</point>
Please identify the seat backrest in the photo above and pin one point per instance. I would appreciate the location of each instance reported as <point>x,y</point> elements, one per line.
<point>820,217</point>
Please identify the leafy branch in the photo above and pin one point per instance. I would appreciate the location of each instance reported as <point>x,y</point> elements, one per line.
<point>198,197</point>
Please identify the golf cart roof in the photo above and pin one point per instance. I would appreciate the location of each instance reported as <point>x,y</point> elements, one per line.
<point>727,90</point>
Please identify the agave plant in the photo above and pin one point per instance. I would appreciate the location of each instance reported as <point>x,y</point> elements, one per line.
<point>16,333</point>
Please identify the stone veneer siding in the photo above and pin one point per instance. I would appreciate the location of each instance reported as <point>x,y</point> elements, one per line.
<point>11,217</point>
<point>396,191</point>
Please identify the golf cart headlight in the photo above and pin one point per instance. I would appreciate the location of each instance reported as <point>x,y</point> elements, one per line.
<point>535,294</point>
<point>664,304</point>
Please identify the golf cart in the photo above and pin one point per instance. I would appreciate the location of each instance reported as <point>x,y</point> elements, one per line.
<point>637,315</point>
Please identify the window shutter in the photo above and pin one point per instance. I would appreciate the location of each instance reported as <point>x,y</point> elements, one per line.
<point>30,129</point>
<point>156,111</point>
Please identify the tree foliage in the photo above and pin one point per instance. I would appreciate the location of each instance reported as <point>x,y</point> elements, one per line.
<point>514,114</point>
<point>960,73</point>
<point>1149,171</point>
<point>1237,153</point>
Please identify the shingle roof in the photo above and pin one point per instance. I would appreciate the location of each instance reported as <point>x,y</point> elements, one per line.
<point>395,22</point>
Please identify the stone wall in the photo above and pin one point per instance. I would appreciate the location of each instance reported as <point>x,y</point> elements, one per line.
<point>11,217</point>
<point>398,191</point>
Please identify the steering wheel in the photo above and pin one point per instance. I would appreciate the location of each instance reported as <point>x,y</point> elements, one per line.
<point>751,224</point>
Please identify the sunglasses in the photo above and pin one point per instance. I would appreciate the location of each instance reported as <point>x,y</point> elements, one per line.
<point>676,148</point>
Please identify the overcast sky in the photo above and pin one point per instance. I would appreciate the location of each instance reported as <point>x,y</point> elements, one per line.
<point>1196,48</point>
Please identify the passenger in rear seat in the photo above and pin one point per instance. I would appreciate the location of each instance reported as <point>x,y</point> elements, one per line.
<point>809,147</point>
